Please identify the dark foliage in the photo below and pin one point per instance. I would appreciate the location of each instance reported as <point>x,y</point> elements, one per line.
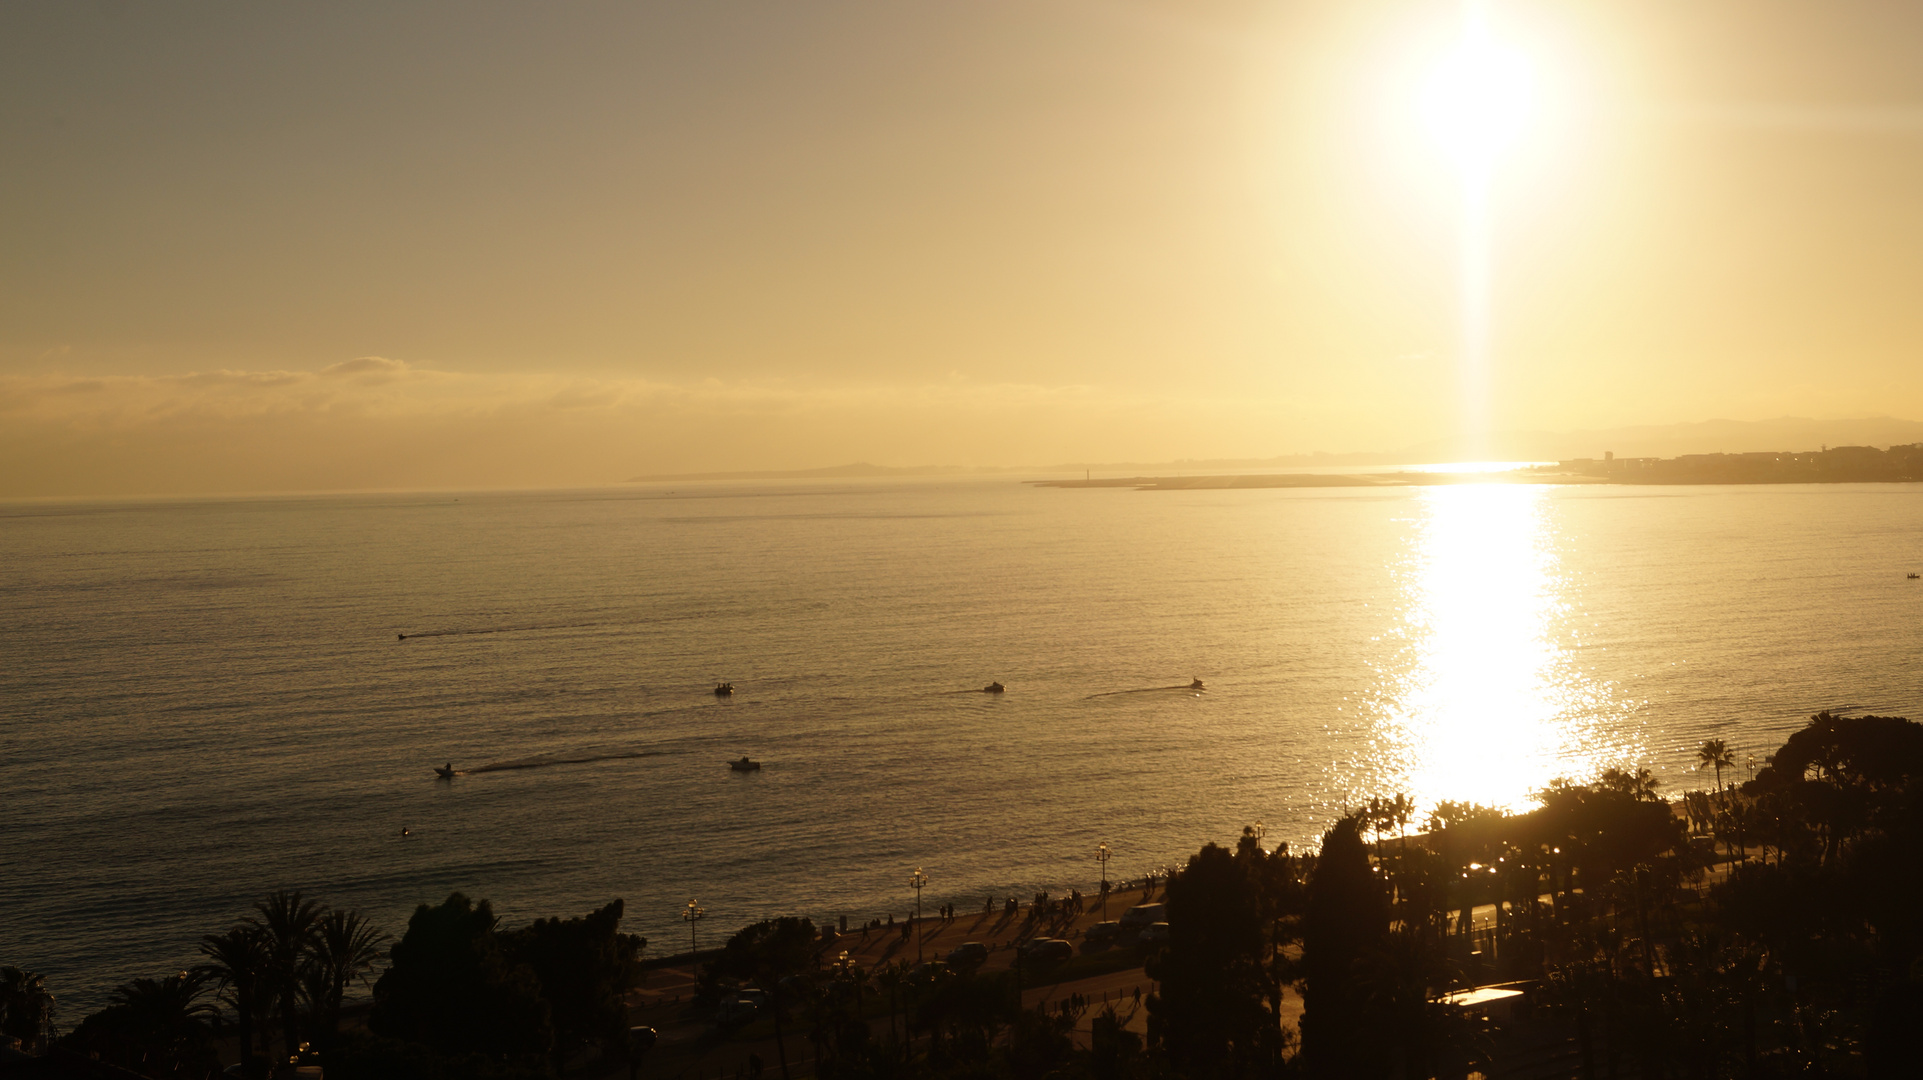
<point>1214,1012</point>
<point>1346,919</point>
<point>585,967</point>
<point>785,945</point>
<point>449,987</point>
<point>26,1006</point>
<point>1788,941</point>
<point>158,1027</point>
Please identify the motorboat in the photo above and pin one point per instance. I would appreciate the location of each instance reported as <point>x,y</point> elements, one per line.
<point>445,772</point>
<point>744,764</point>
<point>1914,576</point>
<point>1197,685</point>
<point>723,689</point>
<point>993,688</point>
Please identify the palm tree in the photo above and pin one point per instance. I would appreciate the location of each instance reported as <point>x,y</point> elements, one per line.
<point>1714,753</point>
<point>344,948</point>
<point>286,921</point>
<point>26,1008</point>
<point>1643,784</point>
<point>1400,811</point>
<point>167,1021</point>
<point>1375,815</point>
<point>238,962</point>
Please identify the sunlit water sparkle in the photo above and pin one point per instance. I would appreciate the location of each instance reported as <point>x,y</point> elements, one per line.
<point>204,700</point>
<point>1484,704</point>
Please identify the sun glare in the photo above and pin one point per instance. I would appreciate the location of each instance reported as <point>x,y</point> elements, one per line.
<point>1480,98</point>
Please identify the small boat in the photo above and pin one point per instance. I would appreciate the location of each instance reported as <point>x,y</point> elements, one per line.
<point>1197,685</point>
<point>993,688</point>
<point>744,765</point>
<point>445,772</point>
<point>723,689</point>
<point>1914,576</point>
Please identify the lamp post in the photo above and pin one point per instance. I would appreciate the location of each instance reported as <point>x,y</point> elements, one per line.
<point>1260,832</point>
<point>1101,856</point>
<point>692,914</point>
<point>916,881</point>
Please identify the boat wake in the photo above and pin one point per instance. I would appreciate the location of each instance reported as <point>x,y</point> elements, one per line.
<point>1144,690</point>
<point>543,762</point>
<point>466,632</point>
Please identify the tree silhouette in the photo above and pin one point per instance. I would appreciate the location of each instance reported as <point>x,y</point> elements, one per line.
<point>237,961</point>
<point>345,947</point>
<point>1714,754</point>
<point>1209,1013</point>
<point>1346,918</point>
<point>153,1026</point>
<point>286,921</point>
<point>586,967</point>
<point>26,1007</point>
<point>449,986</point>
<point>892,979</point>
<point>1398,979</point>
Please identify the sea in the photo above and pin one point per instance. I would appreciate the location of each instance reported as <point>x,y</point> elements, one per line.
<point>202,700</point>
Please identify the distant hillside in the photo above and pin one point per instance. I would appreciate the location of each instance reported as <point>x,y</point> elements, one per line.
<point>832,472</point>
<point>860,470</point>
<point>1788,434</point>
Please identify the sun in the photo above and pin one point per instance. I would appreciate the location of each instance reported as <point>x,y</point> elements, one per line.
<point>1480,97</point>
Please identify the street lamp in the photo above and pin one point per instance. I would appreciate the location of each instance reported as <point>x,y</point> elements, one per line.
<point>1260,832</point>
<point>846,969</point>
<point>692,914</point>
<point>1101,856</point>
<point>916,881</point>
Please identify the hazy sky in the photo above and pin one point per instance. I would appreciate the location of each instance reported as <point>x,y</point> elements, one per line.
<point>256,247</point>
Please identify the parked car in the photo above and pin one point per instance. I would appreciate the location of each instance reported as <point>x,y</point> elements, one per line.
<point>1102,932</point>
<point>1154,934</point>
<point>1144,914</point>
<point>1047,950</point>
<point>740,1007</point>
<point>968,955</point>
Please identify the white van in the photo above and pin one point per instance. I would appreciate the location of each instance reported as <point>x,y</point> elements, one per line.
<point>1144,914</point>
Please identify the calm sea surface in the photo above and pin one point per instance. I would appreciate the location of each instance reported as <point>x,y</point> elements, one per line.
<point>201,701</point>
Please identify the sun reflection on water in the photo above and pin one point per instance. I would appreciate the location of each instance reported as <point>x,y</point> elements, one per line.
<point>1486,706</point>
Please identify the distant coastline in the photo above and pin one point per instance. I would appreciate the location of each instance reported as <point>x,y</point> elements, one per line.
<point>1710,451</point>
<point>1828,465</point>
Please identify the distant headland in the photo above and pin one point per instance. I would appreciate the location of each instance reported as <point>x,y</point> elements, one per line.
<point>1708,451</point>
<point>1828,465</point>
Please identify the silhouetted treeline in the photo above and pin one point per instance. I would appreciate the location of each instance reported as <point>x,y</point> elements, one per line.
<point>1773,930</point>
<point>1768,928</point>
<point>458,998</point>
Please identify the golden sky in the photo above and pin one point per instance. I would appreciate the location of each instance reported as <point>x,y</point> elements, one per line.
<point>273,247</point>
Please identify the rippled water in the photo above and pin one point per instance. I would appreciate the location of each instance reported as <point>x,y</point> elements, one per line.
<point>201,701</point>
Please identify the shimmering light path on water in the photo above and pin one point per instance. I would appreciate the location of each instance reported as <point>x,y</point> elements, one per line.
<point>1483,703</point>
<point>204,700</point>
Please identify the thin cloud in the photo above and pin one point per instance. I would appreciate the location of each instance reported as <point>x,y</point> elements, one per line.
<point>369,369</point>
<point>374,423</point>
